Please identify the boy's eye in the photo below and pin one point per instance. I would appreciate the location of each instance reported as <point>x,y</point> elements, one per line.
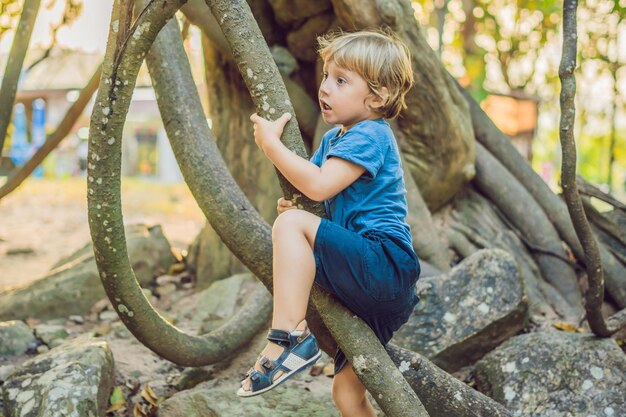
<point>341,80</point>
<point>324,75</point>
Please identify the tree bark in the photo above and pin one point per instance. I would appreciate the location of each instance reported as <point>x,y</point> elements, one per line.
<point>493,180</point>
<point>443,395</point>
<point>501,147</point>
<point>13,69</point>
<point>427,238</point>
<point>121,64</point>
<point>595,276</point>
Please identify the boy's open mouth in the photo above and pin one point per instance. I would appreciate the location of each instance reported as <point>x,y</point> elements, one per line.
<point>325,106</point>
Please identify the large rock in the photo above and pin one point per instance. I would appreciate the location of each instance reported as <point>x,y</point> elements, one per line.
<point>287,400</point>
<point>212,307</point>
<point>77,279</point>
<point>74,379</point>
<point>466,312</point>
<point>15,338</point>
<point>556,374</point>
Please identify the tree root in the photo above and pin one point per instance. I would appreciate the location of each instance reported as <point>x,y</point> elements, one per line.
<point>475,216</point>
<point>500,146</point>
<point>493,180</point>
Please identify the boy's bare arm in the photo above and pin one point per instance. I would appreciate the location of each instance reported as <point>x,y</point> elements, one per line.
<point>317,183</point>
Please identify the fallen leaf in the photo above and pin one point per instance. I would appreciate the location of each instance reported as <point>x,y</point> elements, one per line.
<point>567,327</point>
<point>149,395</point>
<point>138,411</point>
<point>176,268</point>
<point>102,329</point>
<point>117,400</point>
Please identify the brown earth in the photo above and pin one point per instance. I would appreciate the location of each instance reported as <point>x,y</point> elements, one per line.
<point>46,219</point>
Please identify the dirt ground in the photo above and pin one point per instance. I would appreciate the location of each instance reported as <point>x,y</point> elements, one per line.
<point>46,219</point>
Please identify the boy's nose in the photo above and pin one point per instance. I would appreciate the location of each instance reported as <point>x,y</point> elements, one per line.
<point>323,89</point>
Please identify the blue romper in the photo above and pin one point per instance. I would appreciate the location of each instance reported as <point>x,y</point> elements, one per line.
<point>363,251</point>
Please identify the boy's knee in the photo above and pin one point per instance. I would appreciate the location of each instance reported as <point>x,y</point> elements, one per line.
<point>287,220</point>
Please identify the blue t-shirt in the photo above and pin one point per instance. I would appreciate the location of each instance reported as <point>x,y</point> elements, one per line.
<point>376,201</point>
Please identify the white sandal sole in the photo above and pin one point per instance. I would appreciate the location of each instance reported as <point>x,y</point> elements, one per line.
<point>242,393</point>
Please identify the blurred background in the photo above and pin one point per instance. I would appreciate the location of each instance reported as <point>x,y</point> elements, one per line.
<point>505,52</point>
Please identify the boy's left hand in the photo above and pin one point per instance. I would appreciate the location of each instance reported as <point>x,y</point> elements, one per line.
<point>267,133</point>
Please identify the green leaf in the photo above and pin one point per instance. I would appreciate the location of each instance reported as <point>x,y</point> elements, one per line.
<point>117,396</point>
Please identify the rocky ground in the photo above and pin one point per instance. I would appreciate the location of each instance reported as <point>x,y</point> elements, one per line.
<point>83,364</point>
<point>46,220</point>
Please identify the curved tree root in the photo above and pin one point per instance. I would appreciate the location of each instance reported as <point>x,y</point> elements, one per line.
<point>478,217</point>
<point>442,394</point>
<point>556,210</point>
<point>506,192</point>
<point>460,243</point>
<point>105,218</point>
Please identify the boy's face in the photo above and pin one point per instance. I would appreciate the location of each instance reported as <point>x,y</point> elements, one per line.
<point>344,97</point>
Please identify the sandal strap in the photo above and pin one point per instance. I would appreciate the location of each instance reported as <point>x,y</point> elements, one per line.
<point>266,363</point>
<point>280,337</point>
<point>286,339</point>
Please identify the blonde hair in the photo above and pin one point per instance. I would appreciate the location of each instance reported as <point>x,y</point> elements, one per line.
<point>379,57</point>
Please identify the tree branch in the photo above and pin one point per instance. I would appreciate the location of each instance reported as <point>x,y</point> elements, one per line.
<point>14,65</point>
<point>18,175</point>
<point>595,294</point>
<point>367,356</point>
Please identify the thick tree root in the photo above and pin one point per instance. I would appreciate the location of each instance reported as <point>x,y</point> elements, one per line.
<point>442,394</point>
<point>556,210</point>
<point>474,216</point>
<point>494,181</point>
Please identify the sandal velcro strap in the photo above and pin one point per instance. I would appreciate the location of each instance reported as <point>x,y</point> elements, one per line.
<point>280,337</point>
<point>266,363</point>
<point>254,376</point>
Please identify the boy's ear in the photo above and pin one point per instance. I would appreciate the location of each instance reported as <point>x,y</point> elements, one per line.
<point>379,100</point>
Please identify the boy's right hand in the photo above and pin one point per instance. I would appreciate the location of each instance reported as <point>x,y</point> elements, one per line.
<point>284,205</point>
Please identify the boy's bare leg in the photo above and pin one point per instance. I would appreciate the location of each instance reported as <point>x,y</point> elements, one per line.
<point>349,394</point>
<point>293,236</point>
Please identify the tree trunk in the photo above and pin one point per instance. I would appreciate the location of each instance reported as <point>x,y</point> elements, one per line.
<point>435,110</point>
<point>229,109</point>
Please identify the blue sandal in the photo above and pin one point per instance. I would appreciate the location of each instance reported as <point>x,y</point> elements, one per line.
<point>301,351</point>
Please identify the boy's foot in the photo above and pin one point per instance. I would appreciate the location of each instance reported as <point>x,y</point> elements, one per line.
<point>271,351</point>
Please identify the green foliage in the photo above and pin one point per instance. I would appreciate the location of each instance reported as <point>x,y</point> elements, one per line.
<point>9,13</point>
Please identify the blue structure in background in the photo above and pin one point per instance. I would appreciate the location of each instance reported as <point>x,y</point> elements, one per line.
<point>20,148</point>
<point>38,131</point>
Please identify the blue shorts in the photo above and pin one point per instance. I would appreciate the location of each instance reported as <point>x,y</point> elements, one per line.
<point>373,275</point>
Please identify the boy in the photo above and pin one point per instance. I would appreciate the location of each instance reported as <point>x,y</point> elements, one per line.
<point>363,252</point>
